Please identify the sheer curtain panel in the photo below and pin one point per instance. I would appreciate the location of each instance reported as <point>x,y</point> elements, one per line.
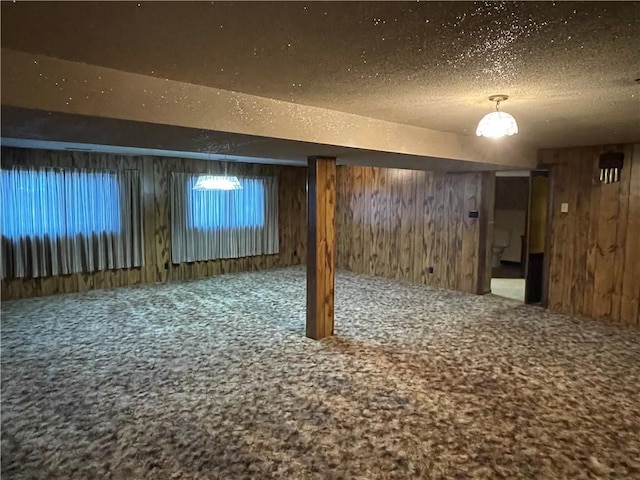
<point>210,224</point>
<point>57,222</point>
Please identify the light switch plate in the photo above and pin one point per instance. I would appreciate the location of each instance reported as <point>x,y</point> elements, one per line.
<point>564,208</point>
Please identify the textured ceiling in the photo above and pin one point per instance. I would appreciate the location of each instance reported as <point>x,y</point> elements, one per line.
<point>569,67</point>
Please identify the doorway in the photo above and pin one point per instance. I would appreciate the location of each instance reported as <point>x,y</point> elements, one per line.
<point>520,235</point>
<point>509,250</point>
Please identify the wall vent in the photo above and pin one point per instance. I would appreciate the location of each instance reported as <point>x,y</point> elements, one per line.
<point>611,167</point>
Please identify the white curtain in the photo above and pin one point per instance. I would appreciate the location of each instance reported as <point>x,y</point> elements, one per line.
<point>210,224</point>
<point>57,222</point>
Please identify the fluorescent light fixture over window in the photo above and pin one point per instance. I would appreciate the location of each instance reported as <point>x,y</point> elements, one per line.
<point>217,182</point>
<point>497,124</point>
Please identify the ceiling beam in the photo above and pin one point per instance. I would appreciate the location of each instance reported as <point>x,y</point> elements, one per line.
<point>43,83</point>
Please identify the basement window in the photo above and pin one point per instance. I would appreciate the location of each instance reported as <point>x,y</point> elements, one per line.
<point>211,209</point>
<point>59,203</point>
<point>220,216</point>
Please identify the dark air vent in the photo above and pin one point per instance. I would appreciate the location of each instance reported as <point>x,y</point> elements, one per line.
<point>611,167</point>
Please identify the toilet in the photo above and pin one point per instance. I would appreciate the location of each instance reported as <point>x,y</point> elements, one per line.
<point>501,239</point>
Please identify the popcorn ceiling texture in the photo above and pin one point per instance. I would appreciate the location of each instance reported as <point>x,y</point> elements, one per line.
<point>569,67</point>
<point>215,379</point>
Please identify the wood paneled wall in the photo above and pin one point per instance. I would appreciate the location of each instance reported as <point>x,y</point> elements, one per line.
<point>594,248</point>
<point>399,223</point>
<point>155,174</point>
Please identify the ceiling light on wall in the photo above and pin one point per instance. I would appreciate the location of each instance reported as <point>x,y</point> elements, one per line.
<point>497,124</point>
<point>217,182</point>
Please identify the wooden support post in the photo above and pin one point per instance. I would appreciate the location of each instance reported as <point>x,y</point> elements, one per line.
<point>321,240</point>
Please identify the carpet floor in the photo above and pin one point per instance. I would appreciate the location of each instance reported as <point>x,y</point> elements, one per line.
<point>214,379</point>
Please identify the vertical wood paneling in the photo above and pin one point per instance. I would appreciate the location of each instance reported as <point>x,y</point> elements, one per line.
<point>440,245</point>
<point>342,260</point>
<point>408,222</point>
<point>49,285</point>
<point>69,283</point>
<point>368,225</point>
<point>559,176</point>
<point>394,214</point>
<point>568,257</point>
<point>418,267</point>
<point>605,249</point>
<point>398,223</point>
<point>451,247</point>
<point>357,227</point>
<point>592,246</point>
<point>10,291</point>
<point>467,277</point>
<point>582,225</point>
<point>621,238</point>
<point>375,216</point>
<point>593,249</point>
<point>429,234</point>
<point>340,236</point>
<point>485,230</point>
<point>630,301</point>
<point>155,173</point>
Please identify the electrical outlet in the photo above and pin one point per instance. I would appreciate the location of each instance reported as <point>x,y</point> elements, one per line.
<point>473,214</point>
<point>564,208</point>
<point>430,270</point>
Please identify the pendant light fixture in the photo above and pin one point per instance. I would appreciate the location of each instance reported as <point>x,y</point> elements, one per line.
<point>497,124</point>
<point>218,182</point>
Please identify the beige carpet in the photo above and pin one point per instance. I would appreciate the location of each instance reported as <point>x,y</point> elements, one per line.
<point>214,379</point>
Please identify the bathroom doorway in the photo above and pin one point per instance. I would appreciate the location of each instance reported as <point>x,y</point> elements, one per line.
<point>510,244</point>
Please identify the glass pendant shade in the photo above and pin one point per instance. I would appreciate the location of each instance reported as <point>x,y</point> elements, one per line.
<point>496,125</point>
<point>217,182</point>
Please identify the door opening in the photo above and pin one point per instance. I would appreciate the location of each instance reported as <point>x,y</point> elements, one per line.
<point>509,249</point>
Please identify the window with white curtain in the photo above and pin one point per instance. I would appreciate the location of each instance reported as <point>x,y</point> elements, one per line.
<point>216,209</point>
<point>44,202</point>
<point>211,224</point>
<point>59,221</point>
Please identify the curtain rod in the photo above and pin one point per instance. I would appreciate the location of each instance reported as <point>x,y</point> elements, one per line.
<point>48,167</point>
